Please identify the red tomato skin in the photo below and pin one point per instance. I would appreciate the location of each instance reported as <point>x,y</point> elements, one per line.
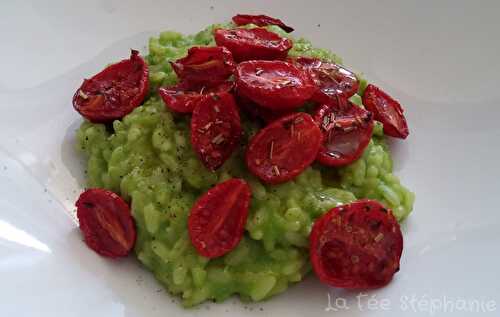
<point>253,44</point>
<point>276,85</point>
<point>204,67</point>
<point>259,113</point>
<point>362,131</point>
<point>106,222</point>
<point>382,246</point>
<point>260,20</point>
<point>331,79</point>
<point>283,149</point>
<point>226,207</point>
<point>180,99</point>
<point>96,98</point>
<point>386,110</point>
<point>215,129</point>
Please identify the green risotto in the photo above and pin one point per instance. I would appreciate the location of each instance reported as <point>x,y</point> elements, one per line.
<point>147,158</point>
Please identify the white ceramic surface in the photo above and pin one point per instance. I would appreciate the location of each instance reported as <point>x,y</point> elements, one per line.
<point>440,59</point>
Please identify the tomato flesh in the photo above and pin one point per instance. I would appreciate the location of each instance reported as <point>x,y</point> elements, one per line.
<point>217,220</point>
<point>204,67</point>
<point>260,20</point>
<point>331,79</point>
<point>253,44</point>
<point>179,99</point>
<point>215,129</point>
<point>276,85</point>
<point>106,222</point>
<point>386,110</point>
<point>114,92</point>
<point>283,149</point>
<point>347,130</point>
<point>356,246</point>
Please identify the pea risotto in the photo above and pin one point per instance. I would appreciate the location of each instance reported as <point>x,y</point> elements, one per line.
<point>225,179</point>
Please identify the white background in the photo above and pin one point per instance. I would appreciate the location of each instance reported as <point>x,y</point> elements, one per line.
<point>440,59</point>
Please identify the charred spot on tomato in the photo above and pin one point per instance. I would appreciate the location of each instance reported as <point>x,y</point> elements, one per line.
<point>288,124</point>
<point>88,204</point>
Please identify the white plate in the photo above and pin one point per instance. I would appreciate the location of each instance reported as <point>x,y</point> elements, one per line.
<point>440,59</point>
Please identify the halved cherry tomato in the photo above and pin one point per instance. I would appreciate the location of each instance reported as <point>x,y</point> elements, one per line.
<point>106,222</point>
<point>331,79</point>
<point>250,44</point>
<point>276,85</point>
<point>284,148</point>
<point>215,129</point>
<point>204,66</point>
<point>179,99</point>
<point>260,20</point>
<point>257,112</point>
<point>347,130</point>
<point>386,110</point>
<point>356,246</point>
<point>114,92</point>
<point>217,220</point>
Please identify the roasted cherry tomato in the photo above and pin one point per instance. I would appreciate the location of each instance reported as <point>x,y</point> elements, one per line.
<point>204,66</point>
<point>259,113</point>
<point>284,148</point>
<point>331,79</point>
<point>260,20</point>
<point>217,220</point>
<point>114,92</point>
<point>346,132</point>
<point>106,222</point>
<point>386,110</point>
<point>250,44</point>
<point>356,246</point>
<point>215,129</point>
<point>276,85</point>
<point>179,99</point>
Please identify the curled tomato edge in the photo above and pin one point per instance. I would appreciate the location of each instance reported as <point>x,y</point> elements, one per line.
<point>134,102</point>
